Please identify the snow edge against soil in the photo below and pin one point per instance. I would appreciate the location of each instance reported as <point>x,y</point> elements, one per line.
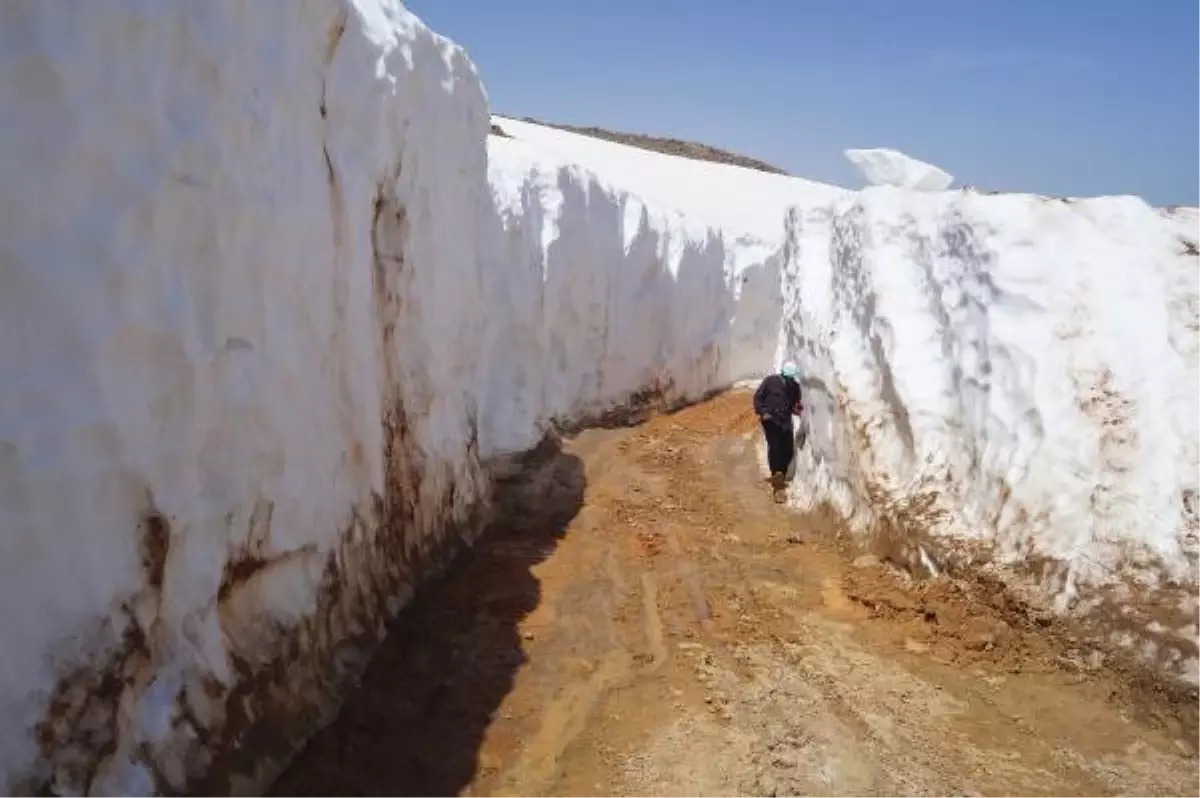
<point>1009,382</point>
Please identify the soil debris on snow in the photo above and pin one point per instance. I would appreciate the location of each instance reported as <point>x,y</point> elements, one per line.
<point>668,146</point>
<point>636,622</point>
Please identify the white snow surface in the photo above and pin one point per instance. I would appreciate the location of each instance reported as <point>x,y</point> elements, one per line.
<point>604,295</point>
<point>192,329</point>
<point>1008,370</point>
<point>884,167</point>
<point>741,210</point>
<point>266,293</point>
<point>745,204</point>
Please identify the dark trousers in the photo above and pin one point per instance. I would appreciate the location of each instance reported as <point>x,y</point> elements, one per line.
<point>781,445</point>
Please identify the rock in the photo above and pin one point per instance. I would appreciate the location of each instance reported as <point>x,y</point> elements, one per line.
<point>982,642</point>
<point>884,167</point>
<point>866,561</point>
<point>915,646</point>
<point>785,758</point>
<point>767,785</point>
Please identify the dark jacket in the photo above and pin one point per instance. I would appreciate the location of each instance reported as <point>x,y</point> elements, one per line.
<point>778,397</point>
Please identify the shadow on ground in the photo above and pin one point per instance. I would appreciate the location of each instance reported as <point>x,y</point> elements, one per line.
<point>416,724</point>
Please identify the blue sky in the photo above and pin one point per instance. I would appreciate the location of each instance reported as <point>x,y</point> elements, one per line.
<point>1077,97</point>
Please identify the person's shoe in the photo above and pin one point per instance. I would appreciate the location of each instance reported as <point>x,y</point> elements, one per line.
<point>778,487</point>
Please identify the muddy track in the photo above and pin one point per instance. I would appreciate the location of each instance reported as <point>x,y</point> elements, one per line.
<point>643,620</point>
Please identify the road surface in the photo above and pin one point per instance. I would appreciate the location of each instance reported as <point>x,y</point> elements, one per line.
<point>644,620</point>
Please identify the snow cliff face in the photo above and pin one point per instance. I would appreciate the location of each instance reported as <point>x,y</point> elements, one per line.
<point>263,319</point>
<point>884,167</point>
<point>745,205</point>
<point>610,295</point>
<point>1013,379</point>
<point>690,200</point>
<point>238,298</point>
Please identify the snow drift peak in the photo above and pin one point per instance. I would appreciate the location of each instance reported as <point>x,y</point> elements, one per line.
<point>884,167</point>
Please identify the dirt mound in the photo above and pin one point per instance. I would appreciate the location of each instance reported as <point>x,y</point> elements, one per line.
<point>668,146</point>
<point>950,620</point>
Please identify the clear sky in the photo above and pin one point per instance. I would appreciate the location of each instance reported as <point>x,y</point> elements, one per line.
<point>1076,97</point>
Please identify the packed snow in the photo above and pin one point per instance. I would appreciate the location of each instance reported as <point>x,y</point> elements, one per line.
<point>272,304</point>
<point>742,208</point>
<point>884,167</point>
<point>1009,371</point>
<point>237,239</point>
<point>604,295</point>
<point>746,205</point>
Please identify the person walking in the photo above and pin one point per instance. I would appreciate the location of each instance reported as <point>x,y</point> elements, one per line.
<point>775,402</point>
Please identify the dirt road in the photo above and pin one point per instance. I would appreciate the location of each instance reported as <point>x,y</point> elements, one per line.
<point>646,621</point>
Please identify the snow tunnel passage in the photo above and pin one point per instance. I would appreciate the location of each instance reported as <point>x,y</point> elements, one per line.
<point>438,679</point>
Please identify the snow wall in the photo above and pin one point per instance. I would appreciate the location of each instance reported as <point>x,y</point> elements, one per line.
<point>264,327</point>
<point>1009,381</point>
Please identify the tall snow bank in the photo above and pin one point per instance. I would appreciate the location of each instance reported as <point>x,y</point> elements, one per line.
<point>1014,379</point>
<point>672,209</point>
<point>884,167</point>
<point>610,297</point>
<point>264,315</point>
<point>239,312</point>
<point>746,205</point>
